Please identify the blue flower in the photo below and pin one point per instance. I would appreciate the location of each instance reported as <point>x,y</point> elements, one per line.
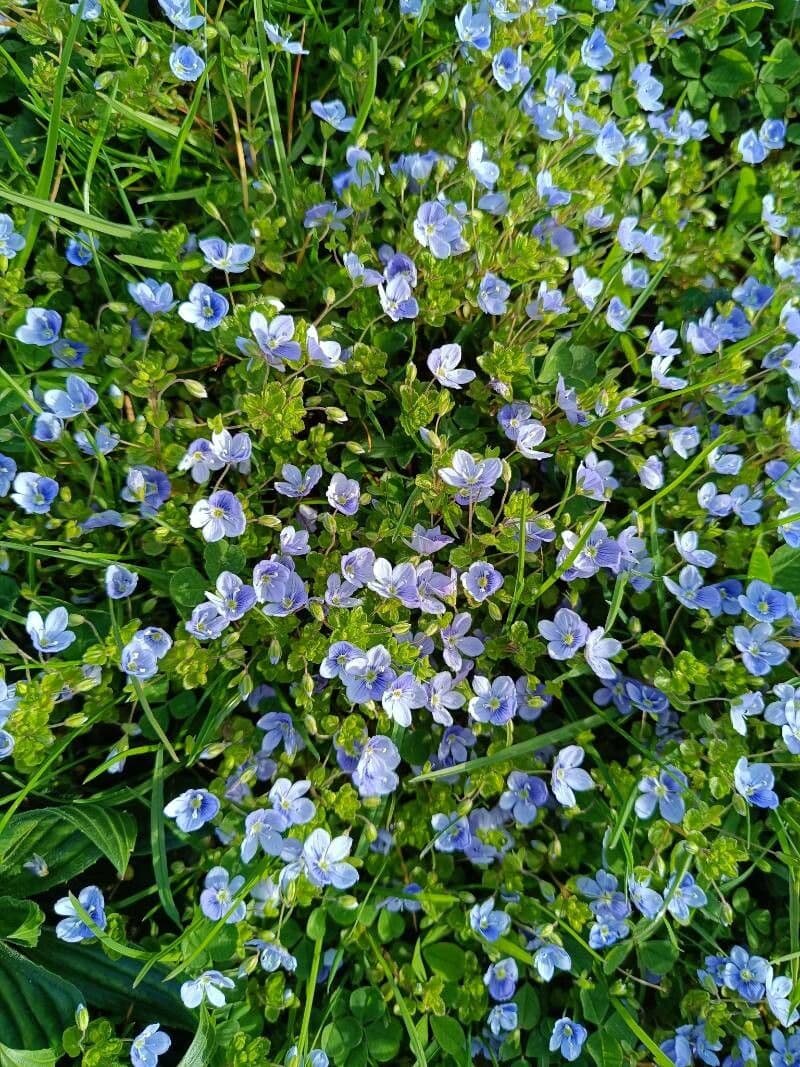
<point>493,294</point>
<point>77,398</point>
<point>153,297</point>
<point>566,634</point>
<point>326,215</point>
<point>263,829</point>
<point>474,28</point>
<point>120,582</point>
<point>443,364</point>
<point>279,730</point>
<point>208,986</point>
<point>8,469</point>
<point>204,309</point>
<point>488,923</point>
<point>568,1038</point>
<point>192,809</point>
<point>524,795</point>
<point>648,901</point>
<point>72,928</point>
<point>375,772</point>
<point>502,1019</point>
<point>47,428</point>
<point>81,248</point>
<point>606,932</point>
<point>568,776</point>
<point>334,113</point>
<point>397,300</point>
<point>666,792</point>
<point>759,653</point>
<point>548,958</point>
<point>218,896</point>
<point>290,802</point>
<point>595,51</point>
<point>691,592</point>
<point>495,701</point>
<point>475,479</point>
<point>147,487</point>
<point>11,242</point>
<point>148,1045</point>
<point>681,896</point>
<point>754,782</point>
<point>746,975</point>
<point>185,63</point>
<point>179,14</point>
<point>763,603</point>
<point>90,9</point>
<point>343,494</point>
<point>50,635</point>
<point>232,597</point>
<point>231,258</point>
<point>219,516</point>
<point>283,41</point>
<point>438,230</point>
<point>295,484</point>
<point>138,660</point>
<point>481,580</point>
<point>324,860</point>
<point>42,327</point>
<point>403,695</point>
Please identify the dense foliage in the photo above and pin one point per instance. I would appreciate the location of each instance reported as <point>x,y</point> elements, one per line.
<point>400,533</point>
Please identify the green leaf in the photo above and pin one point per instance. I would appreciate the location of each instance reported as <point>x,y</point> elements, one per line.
<point>687,59</point>
<point>730,73</point>
<point>445,959</point>
<point>785,563</point>
<point>657,956</point>
<point>113,831</point>
<point>70,839</point>
<point>383,1037</point>
<point>16,1057</point>
<point>759,568</point>
<point>201,1049</point>
<point>575,362</point>
<point>108,985</point>
<point>604,1049</point>
<point>450,1035</point>
<point>616,956</point>
<point>187,587</point>
<point>783,63</point>
<point>528,1006</point>
<point>221,556</point>
<point>69,214</point>
<point>20,920</point>
<point>36,1005</point>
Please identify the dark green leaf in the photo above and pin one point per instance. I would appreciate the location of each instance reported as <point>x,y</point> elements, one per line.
<point>445,959</point>
<point>36,1005</point>
<point>450,1035</point>
<point>108,985</point>
<point>187,587</point>
<point>731,73</point>
<point>200,1051</point>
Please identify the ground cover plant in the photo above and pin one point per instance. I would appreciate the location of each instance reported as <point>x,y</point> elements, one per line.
<point>399,533</point>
